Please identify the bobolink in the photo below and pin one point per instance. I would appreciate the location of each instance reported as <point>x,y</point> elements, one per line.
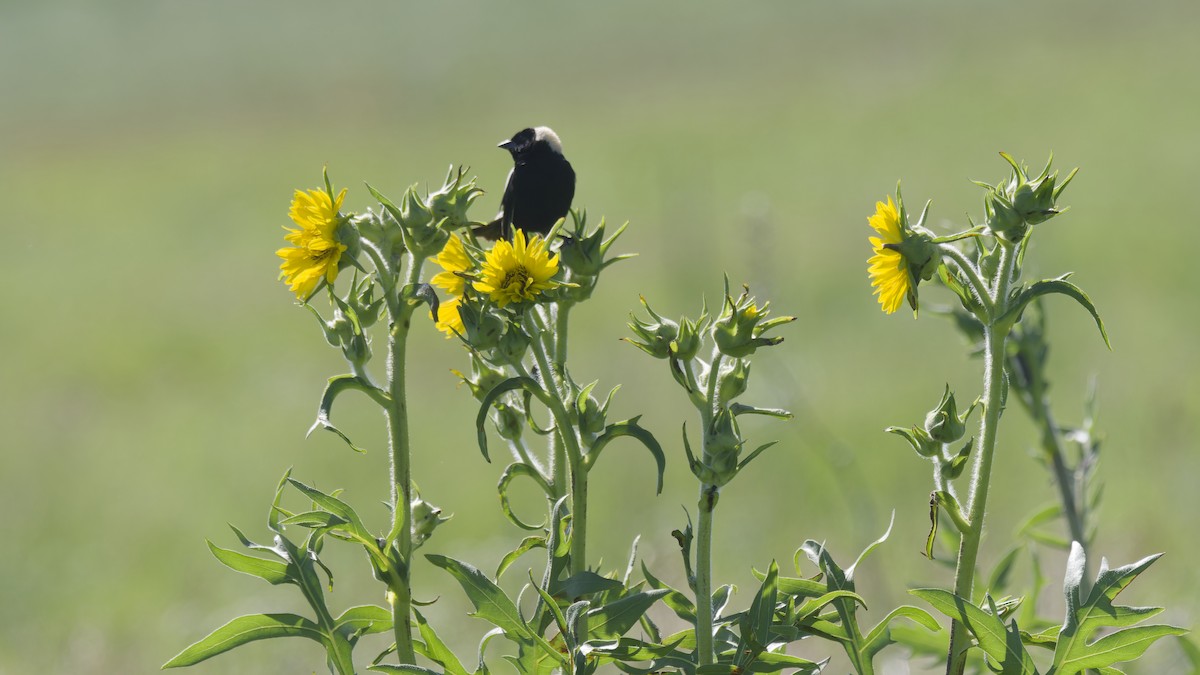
<point>540,186</point>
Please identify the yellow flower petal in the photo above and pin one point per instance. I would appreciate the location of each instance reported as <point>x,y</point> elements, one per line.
<point>315,250</point>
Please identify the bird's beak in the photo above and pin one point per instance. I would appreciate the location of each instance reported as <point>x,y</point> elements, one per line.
<point>506,144</point>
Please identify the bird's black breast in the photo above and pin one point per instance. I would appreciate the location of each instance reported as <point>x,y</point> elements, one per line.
<point>539,192</point>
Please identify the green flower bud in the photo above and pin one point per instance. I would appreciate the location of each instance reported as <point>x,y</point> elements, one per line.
<point>738,330</point>
<point>954,468</point>
<point>513,345</point>
<point>483,378</point>
<point>943,423</point>
<point>722,445</point>
<point>509,421</point>
<point>655,336</point>
<point>448,206</point>
<point>592,418</point>
<point>732,380</point>
<point>425,519</point>
<point>919,439</point>
<point>482,328</point>
<point>1015,205</point>
<point>687,344</point>
<point>364,303</point>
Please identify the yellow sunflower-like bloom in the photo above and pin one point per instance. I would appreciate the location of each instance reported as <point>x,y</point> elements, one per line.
<point>517,271</point>
<point>887,268</point>
<point>449,321</point>
<point>453,258</point>
<point>315,250</point>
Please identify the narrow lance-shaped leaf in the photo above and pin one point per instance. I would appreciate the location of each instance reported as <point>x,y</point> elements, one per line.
<point>246,629</point>
<point>630,428</point>
<point>512,384</point>
<point>335,387</point>
<point>1048,286</point>
<point>511,472</point>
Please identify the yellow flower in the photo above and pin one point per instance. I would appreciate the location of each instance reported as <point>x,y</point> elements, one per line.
<point>517,271</point>
<point>315,250</point>
<point>887,268</point>
<point>453,258</point>
<point>449,321</point>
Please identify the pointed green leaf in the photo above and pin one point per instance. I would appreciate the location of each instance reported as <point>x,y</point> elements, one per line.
<point>512,384</point>
<point>1048,286</point>
<point>989,630</point>
<point>273,571</point>
<point>676,601</point>
<point>435,650</point>
<point>335,387</point>
<point>630,428</point>
<point>491,604</point>
<point>511,472</point>
<point>527,544</point>
<point>337,507</point>
<point>615,619</point>
<point>246,629</point>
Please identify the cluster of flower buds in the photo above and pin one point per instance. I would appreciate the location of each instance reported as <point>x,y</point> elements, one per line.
<point>1018,203</point>
<point>351,317</point>
<point>943,426</point>
<point>507,414</point>
<point>582,255</point>
<point>713,384</point>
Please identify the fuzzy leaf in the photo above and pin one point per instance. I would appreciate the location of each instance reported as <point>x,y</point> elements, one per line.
<point>988,630</point>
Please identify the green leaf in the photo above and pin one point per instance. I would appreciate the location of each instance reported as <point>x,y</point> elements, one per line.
<point>630,428</point>
<point>583,584</point>
<point>511,384</point>
<point>435,650</point>
<point>273,571</point>
<point>676,601</point>
<point>511,472</point>
<point>363,620</point>
<point>1048,286</point>
<point>988,629</point>
<point>337,507</point>
<point>1074,653</point>
<point>246,629</point>
<point>880,636</point>
<point>773,662</point>
<point>333,388</point>
<point>491,604</point>
<point>527,544</point>
<point>756,625</point>
<point>615,619</point>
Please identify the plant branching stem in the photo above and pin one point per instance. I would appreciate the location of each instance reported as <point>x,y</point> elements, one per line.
<point>993,384</point>
<point>704,524</point>
<point>401,469</point>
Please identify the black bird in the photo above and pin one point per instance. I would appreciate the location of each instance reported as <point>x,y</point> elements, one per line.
<point>540,186</point>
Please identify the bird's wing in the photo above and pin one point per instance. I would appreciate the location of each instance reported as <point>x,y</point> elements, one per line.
<point>506,206</point>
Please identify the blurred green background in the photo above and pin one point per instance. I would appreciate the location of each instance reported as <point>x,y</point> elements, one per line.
<point>158,380</point>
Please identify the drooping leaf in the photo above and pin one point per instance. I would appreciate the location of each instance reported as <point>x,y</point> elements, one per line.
<point>511,472</point>
<point>333,389</point>
<point>630,428</point>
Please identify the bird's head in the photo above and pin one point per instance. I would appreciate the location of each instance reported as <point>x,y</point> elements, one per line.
<point>532,141</point>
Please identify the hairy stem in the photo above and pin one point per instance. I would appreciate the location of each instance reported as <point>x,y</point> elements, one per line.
<point>704,614</point>
<point>401,470</point>
<point>993,384</point>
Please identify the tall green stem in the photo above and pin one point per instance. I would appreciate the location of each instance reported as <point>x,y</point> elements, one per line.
<point>708,503</point>
<point>704,614</point>
<point>399,453</point>
<point>993,384</point>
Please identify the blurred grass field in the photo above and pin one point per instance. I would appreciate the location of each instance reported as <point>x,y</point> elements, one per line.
<point>158,380</point>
